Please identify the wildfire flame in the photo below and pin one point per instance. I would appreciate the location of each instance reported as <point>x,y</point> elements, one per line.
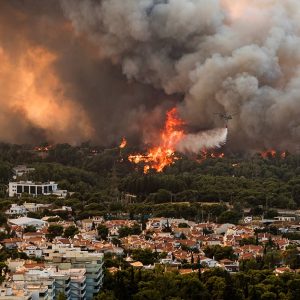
<point>272,154</point>
<point>208,154</point>
<point>123,143</point>
<point>43,148</point>
<point>163,155</point>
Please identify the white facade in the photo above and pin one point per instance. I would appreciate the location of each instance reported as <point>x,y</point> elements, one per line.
<point>16,209</point>
<point>33,251</point>
<point>34,207</point>
<point>35,189</point>
<point>24,221</point>
<point>20,170</point>
<point>285,218</point>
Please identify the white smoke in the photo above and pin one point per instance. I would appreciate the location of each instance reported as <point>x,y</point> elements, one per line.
<point>210,139</point>
<point>237,56</point>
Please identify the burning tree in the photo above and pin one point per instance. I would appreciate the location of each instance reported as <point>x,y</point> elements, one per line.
<point>163,155</point>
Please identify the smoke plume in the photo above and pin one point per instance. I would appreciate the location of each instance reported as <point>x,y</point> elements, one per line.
<point>210,139</point>
<point>109,68</point>
<point>223,55</point>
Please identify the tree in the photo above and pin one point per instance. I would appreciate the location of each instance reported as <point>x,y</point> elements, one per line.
<point>102,231</point>
<point>216,286</point>
<point>106,295</point>
<point>183,225</point>
<point>124,231</point>
<point>116,242</point>
<point>61,296</point>
<point>269,296</point>
<point>70,231</point>
<point>136,229</point>
<point>145,256</point>
<point>219,252</point>
<point>54,230</point>
<point>294,289</point>
<point>229,217</point>
<point>147,294</point>
<point>3,219</point>
<point>29,228</point>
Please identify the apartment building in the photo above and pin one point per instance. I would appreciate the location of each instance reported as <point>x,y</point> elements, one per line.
<point>76,259</point>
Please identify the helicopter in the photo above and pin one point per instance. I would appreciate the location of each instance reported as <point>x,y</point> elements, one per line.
<point>226,117</point>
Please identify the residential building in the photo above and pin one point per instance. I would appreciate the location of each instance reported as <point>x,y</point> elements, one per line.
<point>25,221</point>
<point>35,189</point>
<point>21,170</point>
<point>35,207</point>
<point>76,259</point>
<point>9,292</point>
<point>16,209</point>
<point>285,218</point>
<point>38,282</point>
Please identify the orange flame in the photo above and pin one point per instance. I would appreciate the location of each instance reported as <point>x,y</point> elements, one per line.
<point>206,154</point>
<point>123,143</point>
<point>43,148</point>
<point>272,154</point>
<point>163,155</point>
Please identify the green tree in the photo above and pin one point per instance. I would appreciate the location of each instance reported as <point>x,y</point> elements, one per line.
<point>29,228</point>
<point>146,256</point>
<point>70,231</point>
<point>148,294</point>
<point>229,217</point>
<point>219,252</point>
<point>269,296</point>
<point>54,230</point>
<point>61,296</point>
<point>102,231</point>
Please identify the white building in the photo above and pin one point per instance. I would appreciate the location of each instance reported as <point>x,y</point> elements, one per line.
<point>35,189</point>
<point>33,251</point>
<point>35,207</point>
<point>21,170</point>
<point>24,222</point>
<point>16,209</point>
<point>73,258</point>
<point>210,263</point>
<point>285,218</point>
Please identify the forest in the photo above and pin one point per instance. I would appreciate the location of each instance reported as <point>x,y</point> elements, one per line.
<point>211,284</point>
<point>100,178</point>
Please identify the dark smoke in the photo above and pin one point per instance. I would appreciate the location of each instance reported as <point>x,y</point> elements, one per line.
<point>239,56</point>
<point>114,105</point>
<point>117,60</point>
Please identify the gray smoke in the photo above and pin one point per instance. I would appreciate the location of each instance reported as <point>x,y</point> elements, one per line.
<point>238,56</point>
<point>120,64</point>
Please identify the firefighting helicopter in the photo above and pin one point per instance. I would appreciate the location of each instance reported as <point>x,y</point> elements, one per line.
<point>226,117</point>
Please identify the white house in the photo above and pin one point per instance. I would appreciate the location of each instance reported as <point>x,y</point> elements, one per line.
<point>16,209</point>
<point>211,263</point>
<point>33,251</point>
<point>24,222</point>
<point>20,170</point>
<point>34,207</point>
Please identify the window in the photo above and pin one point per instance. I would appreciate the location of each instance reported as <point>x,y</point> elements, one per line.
<point>26,189</point>
<point>19,189</point>
<point>39,190</point>
<point>32,190</point>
